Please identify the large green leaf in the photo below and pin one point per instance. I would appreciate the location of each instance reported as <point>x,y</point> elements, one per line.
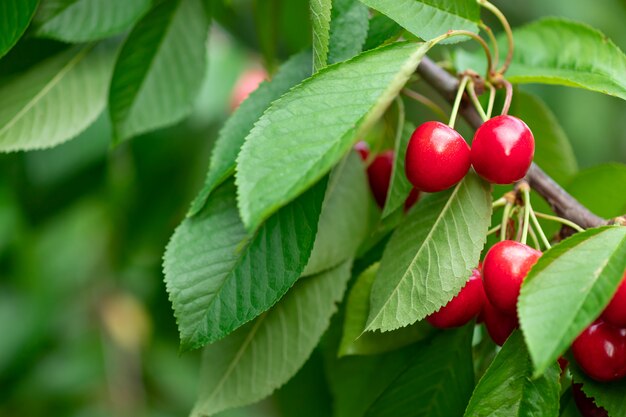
<point>610,396</point>
<point>87,20</point>
<point>320,22</point>
<point>381,31</point>
<point>428,19</point>
<point>307,131</point>
<point>354,341</point>
<point>160,68</point>
<point>553,151</point>
<point>431,255</point>
<point>15,15</point>
<point>261,356</point>
<point>399,186</point>
<point>438,383</point>
<point>55,100</point>
<point>343,223</point>
<point>348,29</point>
<point>602,189</point>
<point>237,127</point>
<point>588,59</point>
<point>568,288</point>
<point>507,388</point>
<point>218,278</point>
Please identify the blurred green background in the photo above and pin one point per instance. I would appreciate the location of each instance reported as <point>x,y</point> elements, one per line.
<point>86,328</point>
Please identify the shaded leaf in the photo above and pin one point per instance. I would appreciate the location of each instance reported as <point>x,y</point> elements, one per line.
<point>567,289</point>
<point>431,255</point>
<point>261,356</point>
<point>348,29</point>
<point>55,100</point>
<point>160,68</point>
<point>320,22</point>
<point>399,186</point>
<point>15,15</point>
<point>326,113</point>
<point>507,388</point>
<point>219,278</point>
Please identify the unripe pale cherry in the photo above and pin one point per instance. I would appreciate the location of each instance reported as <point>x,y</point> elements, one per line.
<point>499,325</point>
<point>600,350</point>
<point>466,305</point>
<point>504,268</point>
<point>502,149</point>
<point>586,405</point>
<point>615,312</point>
<point>437,157</point>
<point>246,84</point>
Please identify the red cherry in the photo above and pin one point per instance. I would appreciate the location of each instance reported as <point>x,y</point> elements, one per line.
<point>505,266</point>
<point>600,351</point>
<point>615,312</point>
<point>587,405</point>
<point>246,84</point>
<point>363,149</point>
<point>463,307</point>
<point>503,149</point>
<point>499,325</point>
<point>411,199</point>
<point>379,175</point>
<point>563,363</point>
<point>437,157</point>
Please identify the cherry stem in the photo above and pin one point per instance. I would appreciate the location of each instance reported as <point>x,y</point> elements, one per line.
<point>533,235</point>
<point>508,98</point>
<point>506,214</point>
<point>527,210</point>
<point>472,35</point>
<point>457,101</point>
<point>474,97</point>
<point>494,229</point>
<point>494,44</point>
<point>507,28</point>
<point>560,220</point>
<point>498,203</point>
<point>542,235</point>
<point>434,107</point>
<point>492,99</point>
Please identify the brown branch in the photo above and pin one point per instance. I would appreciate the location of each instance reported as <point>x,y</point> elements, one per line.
<point>560,200</point>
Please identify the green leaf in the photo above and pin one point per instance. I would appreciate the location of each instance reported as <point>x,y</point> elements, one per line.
<point>354,341</point>
<point>219,278</point>
<point>87,20</point>
<point>307,131</point>
<point>399,186</point>
<point>343,222</point>
<point>428,19</point>
<point>431,255</point>
<point>15,15</point>
<point>588,59</point>
<point>553,151</point>
<point>261,356</point>
<point>160,68</point>
<point>438,382</point>
<point>55,100</point>
<point>381,31</point>
<point>602,189</point>
<point>568,288</point>
<point>610,396</point>
<point>348,29</point>
<point>507,389</point>
<point>320,22</point>
<point>237,127</point>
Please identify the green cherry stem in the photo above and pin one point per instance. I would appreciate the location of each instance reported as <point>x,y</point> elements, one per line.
<point>505,218</point>
<point>494,44</point>
<point>472,35</point>
<point>508,97</point>
<point>474,97</point>
<point>542,235</point>
<point>494,230</point>
<point>560,220</point>
<point>527,210</point>
<point>492,99</point>
<point>498,203</point>
<point>533,236</point>
<point>457,101</point>
<point>507,28</point>
<point>434,107</point>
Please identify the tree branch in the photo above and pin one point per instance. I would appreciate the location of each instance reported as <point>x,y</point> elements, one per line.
<point>560,200</point>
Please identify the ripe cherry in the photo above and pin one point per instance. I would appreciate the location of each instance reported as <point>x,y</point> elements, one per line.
<point>600,351</point>
<point>505,266</point>
<point>615,312</point>
<point>437,157</point>
<point>411,199</point>
<point>363,149</point>
<point>463,307</point>
<point>587,405</point>
<point>503,149</point>
<point>499,325</point>
<point>246,84</point>
<point>379,175</point>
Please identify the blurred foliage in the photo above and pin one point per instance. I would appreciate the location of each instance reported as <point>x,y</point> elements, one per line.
<point>86,328</point>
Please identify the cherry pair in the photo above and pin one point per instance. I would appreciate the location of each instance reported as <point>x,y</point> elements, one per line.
<point>379,175</point>
<point>438,157</point>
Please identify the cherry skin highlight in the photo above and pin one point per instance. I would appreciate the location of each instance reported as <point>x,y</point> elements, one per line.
<point>503,149</point>
<point>466,305</point>
<point>615,312</point>
<point>586,405</point>
<point>379,175</point>
<point>499,325</point>
<point>600,351</point>
<point>437,157</point>
<point>505,267</point>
